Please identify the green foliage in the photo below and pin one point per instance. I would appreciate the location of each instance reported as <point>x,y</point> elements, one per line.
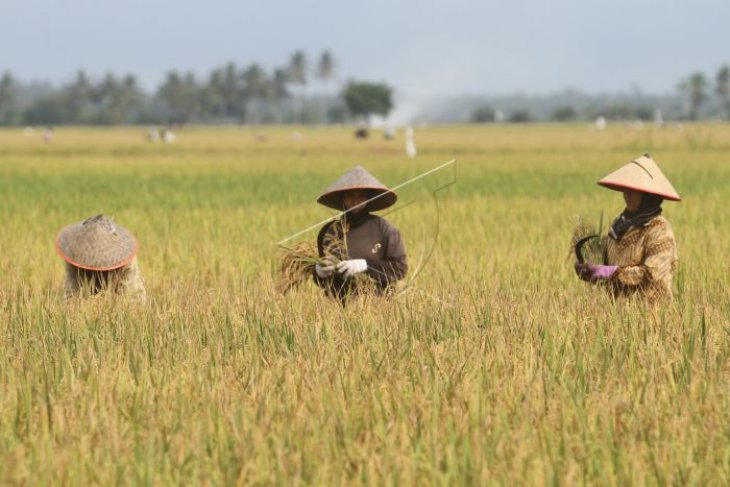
<point>564,113</point>
<point>484,114</point>
<point>520,116</point>
<point>365,99</point>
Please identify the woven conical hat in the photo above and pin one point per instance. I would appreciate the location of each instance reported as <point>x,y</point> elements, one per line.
<point>358,178</point>
<point>96,244</point>
<point>641,174</point>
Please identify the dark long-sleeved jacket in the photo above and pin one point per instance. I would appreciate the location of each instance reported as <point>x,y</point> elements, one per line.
<point>368,237</point>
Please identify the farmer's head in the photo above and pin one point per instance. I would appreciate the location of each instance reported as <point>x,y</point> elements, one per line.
<point>638,200</point>
<point>354,199</point>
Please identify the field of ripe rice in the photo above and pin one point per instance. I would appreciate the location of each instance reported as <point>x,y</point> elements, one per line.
<point>494,366</point>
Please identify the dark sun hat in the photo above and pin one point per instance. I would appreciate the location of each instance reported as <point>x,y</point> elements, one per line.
<point>358,178</point>
<point>96,244</point>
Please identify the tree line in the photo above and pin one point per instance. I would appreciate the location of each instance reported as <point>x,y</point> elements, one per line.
<point>697,97</point>
<point>228,94</point>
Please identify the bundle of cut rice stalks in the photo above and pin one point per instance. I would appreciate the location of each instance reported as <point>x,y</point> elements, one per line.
<point>588,243</point>
<point>297,265</point>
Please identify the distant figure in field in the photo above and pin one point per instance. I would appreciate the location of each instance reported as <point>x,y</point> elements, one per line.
<point>600,123</point>
<point>168,136</point>
<point>153,135</point>
<point>362,133</point>
<point>641,252</point>
<point>48,134</point>
<point>360,251</point>
<point>410,143</point>
<point>100,256</point>
<point>389,133</point>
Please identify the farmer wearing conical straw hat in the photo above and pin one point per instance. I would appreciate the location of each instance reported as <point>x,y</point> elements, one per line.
<point>359,244</point>
<point>100,255</point>
<point>641,252</point>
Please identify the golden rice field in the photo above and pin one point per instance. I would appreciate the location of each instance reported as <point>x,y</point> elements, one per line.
<point>495,365</point>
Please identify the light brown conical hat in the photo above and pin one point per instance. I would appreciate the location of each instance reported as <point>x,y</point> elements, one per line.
<point>358,178</point>
<point>96,244</point>
<point>641,174</point>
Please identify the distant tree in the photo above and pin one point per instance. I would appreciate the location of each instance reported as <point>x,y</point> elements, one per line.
<point>297,68</point>
<point>325,73</point>
<point>8,99</point>
<point>181,96</point>
<point>564,113</point>
<point>644,113</point>
<point>80,97</point>
<point>326,67</point>
<point>722,88</point>
<point>483,114</point>
<point>278,84</point>
<point>255,86</point>
<point>619,111</point>
<point>365,99</point>
<point>119,99</point>
<point>520,116</point>
<point>694,88</point>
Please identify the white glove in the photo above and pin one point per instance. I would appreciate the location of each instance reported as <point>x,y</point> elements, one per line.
<point>324,270</point>
<point>348,268</point>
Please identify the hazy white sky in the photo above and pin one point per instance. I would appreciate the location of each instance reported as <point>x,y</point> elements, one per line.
<point>419,46</point>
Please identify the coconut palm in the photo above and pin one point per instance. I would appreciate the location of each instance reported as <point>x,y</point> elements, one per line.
<point>722,88</point>
<point>694,89</point>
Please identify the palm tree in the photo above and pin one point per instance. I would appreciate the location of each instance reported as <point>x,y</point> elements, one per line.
<point>722,88</point>
<point>326,67</point>
<point>8,95</point>
<point>297,75</point>
<point>297,69</point>
<point>694,88</point>
<point>325,72</point>
<point>254,86</point>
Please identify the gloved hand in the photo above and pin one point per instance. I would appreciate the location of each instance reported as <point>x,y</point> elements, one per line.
<point>583,271</point>
<point>595,272</point>
<point>324,269</point>
<point>602,272</point>
<point>349,268</point>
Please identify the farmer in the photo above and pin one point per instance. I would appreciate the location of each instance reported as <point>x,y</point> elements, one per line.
<point>641,253</point>
<point>100,255</point>
<point>359,249</point>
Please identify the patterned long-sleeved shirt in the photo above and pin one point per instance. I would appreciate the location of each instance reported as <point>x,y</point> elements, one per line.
<point>646,257</point>
<point>125,280</point>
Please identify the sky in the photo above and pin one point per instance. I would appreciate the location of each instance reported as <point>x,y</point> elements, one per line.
<point>421,47</point>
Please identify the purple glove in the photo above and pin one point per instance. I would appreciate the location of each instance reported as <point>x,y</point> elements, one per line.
<point>594,272</point>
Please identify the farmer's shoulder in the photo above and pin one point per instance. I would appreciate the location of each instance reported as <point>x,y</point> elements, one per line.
<point>382,224</point>
<point>659,224</point>
<point>386,228</point>
<point>659,227</point>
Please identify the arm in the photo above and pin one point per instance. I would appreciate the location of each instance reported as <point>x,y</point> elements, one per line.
<point>131,282</point>
<point>327,235</point>
<point>394,264</point>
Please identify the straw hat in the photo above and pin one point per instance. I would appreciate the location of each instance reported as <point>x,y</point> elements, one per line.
<point>358,178</point>
<point>641,174</point>
<point>96,244</point>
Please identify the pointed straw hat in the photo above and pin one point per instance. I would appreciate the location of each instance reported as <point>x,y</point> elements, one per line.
<point>96,244</point>
<point>641,174</point>
<point>358,178</point>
